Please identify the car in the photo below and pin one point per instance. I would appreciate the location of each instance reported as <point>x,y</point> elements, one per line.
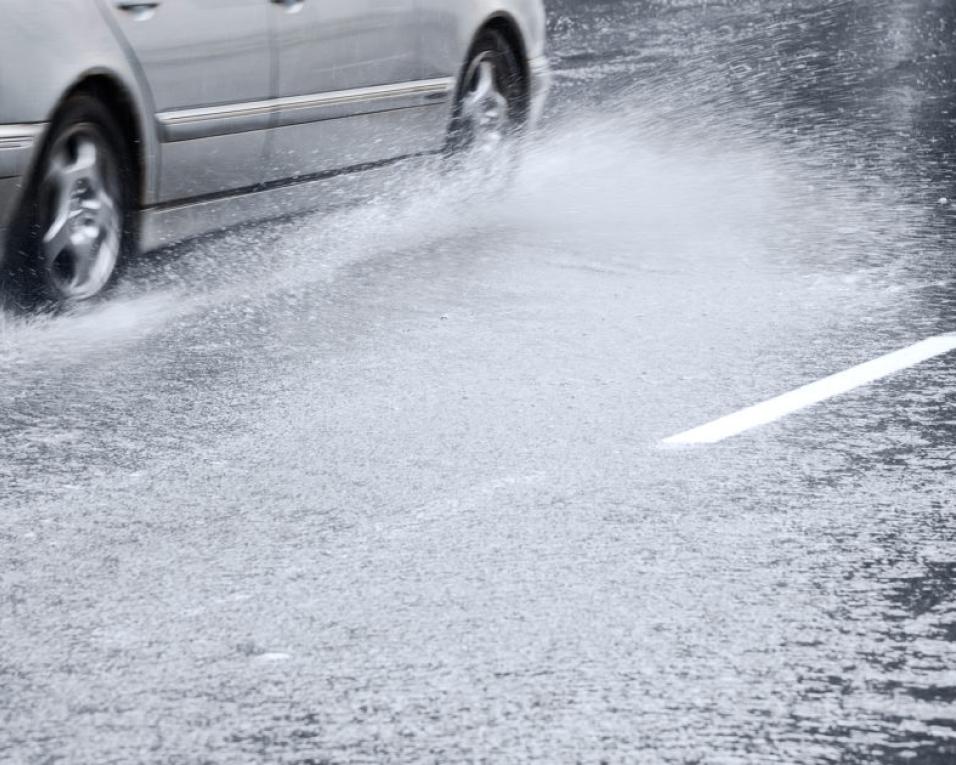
<point>126,125</point>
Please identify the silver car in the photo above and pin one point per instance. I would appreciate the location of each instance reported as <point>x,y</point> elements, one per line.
<point>129,124</point>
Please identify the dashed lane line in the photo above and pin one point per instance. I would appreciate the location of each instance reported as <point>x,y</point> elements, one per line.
<point>808,395</point>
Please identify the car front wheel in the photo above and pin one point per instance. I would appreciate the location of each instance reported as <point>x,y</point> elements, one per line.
<point>75,227</point>
<point>490,109</point>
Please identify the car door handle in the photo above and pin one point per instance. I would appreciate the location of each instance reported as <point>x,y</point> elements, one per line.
<point>291,6</point>
<point>140,9</point>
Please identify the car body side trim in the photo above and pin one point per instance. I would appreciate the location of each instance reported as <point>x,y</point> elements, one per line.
<point>19,136</point>
<point>188,124</point>
<point>16,147</point>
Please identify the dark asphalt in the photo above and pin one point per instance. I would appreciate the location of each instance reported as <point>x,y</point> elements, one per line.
<point>385,484</point>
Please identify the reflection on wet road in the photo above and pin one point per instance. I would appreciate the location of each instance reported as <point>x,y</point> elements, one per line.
<point>398,497</point>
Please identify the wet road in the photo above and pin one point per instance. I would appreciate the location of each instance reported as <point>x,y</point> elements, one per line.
<point>387,485</point>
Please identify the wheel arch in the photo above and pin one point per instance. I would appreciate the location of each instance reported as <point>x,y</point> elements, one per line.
<point>508,27</point>
<point>109,90</point>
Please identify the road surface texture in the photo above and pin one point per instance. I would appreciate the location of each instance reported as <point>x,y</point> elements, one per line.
<point>387,484</point>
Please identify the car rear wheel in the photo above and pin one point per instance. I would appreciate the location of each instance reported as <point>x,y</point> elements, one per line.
<point>490,109</point>
<point>76,223</point>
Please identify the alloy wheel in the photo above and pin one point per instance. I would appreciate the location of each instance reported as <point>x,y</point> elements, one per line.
<point>485,107</point>
<point>81,222</point>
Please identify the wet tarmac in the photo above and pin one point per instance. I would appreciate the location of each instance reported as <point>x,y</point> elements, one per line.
<point>387,485</point>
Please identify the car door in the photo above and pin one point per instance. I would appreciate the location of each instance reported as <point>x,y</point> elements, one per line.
<point>208,67</point>
<point>350,88</point>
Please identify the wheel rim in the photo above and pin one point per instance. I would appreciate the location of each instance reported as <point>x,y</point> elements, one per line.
<point>83,223</point>
<point>484,107</point>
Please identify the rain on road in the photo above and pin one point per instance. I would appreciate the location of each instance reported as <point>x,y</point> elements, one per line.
<point>386,483</point>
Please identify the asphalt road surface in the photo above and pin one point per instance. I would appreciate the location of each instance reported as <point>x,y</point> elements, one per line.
<point>388,484</point>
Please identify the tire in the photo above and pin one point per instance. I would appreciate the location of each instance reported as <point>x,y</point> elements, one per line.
<point>490,110</point>
<point>76,225</point>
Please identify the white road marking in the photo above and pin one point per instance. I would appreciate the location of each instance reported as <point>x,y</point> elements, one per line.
<point>273,656</point>
<point>821,390</point>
